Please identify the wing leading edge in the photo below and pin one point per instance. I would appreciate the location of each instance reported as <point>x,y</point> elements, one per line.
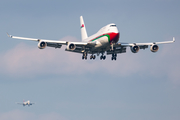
<point>151,43</point>
<point>50,43</point>
<point>136,46</point>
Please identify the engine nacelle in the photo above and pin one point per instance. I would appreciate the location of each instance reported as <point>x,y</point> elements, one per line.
<point>71,46</point>
<point>135,48</point>
<point>42,44</point>
<point>154,48</point>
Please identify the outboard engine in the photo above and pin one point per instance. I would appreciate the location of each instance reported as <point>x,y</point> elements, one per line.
<point>42,44</point>
<point>71,46</point>
<point>135,48</point>
<point>154,48</point>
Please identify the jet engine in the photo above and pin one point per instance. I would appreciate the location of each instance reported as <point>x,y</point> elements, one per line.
<point>135,48</point>
<point>154,48</point>
<point>71,46</point>
<point>42,44</point>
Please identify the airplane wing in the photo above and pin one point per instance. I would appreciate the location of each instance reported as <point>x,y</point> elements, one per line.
<point>48,41</point>
<point>144,44</point>
<point>20,103</point>
<point>121,47</point>
<point>78,47</point>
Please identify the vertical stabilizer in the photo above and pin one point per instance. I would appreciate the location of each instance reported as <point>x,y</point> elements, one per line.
<point>83,29</point>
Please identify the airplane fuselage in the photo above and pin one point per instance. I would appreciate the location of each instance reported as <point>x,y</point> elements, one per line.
<point>106,36</point>
<point>27,103</point>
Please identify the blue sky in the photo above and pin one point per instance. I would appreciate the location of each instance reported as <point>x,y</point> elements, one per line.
<point>138,86</point>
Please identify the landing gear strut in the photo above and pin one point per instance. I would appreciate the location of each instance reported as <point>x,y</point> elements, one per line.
<point>84,56</point>
<point>114,55</point>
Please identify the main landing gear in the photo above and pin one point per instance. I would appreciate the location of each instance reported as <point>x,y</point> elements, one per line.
<point>102,57</point>
<point>92,57</point>
<point>114,55</point>
<point>84,56</point>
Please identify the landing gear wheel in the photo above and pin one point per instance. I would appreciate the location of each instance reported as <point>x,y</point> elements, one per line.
<point>114,56</point>
<point>101,57</point>
<point>91,57</point>
<point>104,57</point>
<point>94,57</point>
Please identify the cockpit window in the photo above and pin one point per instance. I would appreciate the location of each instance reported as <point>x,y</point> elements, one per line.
<point>113,26</point>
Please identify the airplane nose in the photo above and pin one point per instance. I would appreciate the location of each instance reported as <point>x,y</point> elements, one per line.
<point>114,37</point>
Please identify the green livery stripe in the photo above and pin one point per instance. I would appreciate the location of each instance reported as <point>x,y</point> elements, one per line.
<point>102,36</point>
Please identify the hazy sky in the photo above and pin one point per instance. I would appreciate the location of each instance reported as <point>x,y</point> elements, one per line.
<point>141,86</point>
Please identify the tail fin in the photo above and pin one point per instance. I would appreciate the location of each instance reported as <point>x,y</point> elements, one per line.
<point>83,29</point>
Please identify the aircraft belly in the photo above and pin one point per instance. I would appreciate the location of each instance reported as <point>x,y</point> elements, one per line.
<point>103,42</point>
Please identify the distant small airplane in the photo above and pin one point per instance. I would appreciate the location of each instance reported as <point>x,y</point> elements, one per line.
<point>105,40</point>
<point>26,103</point>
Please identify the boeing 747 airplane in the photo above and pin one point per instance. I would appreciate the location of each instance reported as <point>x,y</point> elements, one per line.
<point>105,41</point>
<point>26,103</point>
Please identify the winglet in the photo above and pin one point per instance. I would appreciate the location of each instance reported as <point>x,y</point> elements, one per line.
<point>173,39</point>
<point>9,35</point>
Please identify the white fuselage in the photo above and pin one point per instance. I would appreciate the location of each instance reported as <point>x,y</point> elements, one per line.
<point>26,103</point>
<point>104,37</point>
